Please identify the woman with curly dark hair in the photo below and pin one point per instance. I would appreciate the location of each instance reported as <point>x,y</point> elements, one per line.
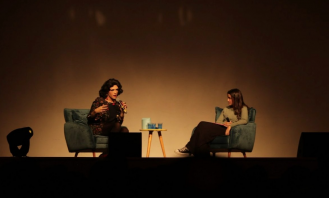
<point>235,113</point>
<point>106,113</point>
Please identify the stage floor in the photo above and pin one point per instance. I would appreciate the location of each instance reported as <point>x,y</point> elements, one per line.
<point>144,176</point>
<point>274,167</point>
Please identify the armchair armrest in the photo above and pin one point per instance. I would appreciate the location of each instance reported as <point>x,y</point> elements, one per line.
<point>243,136</point>
<point>78,137</point>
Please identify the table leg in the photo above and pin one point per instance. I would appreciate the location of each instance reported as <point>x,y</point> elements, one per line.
<point>149,144</point>
<point>162,145</point>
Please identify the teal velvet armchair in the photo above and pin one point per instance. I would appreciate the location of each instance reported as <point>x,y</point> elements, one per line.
<point>241,138</point>
<point>79,136</point>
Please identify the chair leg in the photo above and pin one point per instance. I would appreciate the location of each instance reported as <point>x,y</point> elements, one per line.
<point>244,154</point>
<point>76,154</point>
<point>229,154</point>
<point>94,155</point>
<point>213,154</point>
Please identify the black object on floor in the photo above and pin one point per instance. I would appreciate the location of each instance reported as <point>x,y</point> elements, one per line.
<point>125,144</point>
<point>19,137</point>
<point>313,144</point>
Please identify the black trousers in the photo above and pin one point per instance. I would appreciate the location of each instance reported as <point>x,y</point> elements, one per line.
<point>19,137</point>
<point>204,133</point>
<point>113,127</point>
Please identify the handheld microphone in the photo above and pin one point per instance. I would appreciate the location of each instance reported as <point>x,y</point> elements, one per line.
<point>122,107</point>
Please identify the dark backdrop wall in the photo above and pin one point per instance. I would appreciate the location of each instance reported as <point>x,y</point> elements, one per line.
<point>176,61</point>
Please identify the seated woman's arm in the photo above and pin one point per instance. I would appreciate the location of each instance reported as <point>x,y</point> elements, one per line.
<point>92,115</point>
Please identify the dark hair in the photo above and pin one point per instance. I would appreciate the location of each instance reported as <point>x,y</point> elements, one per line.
<point>107,85</point>
<point>237,101</point>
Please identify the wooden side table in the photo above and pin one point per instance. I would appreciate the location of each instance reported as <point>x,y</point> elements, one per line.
<point>150,139</point>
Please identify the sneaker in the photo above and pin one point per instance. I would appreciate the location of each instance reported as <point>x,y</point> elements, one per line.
<point>103,155</point>
<point>183,150</point>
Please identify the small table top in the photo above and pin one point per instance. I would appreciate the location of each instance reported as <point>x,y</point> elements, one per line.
<point>153,129</point>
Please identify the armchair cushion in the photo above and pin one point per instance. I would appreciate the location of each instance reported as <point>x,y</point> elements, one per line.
<point>80,117</point>
<point>101,141</point>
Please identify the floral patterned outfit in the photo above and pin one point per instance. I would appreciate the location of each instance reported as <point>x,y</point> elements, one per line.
<point>101,123</point>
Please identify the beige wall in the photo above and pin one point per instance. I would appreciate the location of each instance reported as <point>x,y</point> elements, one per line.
<point>175,59</point>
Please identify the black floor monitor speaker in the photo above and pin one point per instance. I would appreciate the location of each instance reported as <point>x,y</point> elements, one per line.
<point>125,144</point>
<point>313,144</point>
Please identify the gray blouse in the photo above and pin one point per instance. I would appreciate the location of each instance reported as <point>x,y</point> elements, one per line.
<point>229,113</point>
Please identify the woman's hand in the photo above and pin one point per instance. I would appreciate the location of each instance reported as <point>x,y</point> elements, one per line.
<point>101,109</point>
<point>228,129</point>
<point>227,124</point>
<point>124,105</point>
